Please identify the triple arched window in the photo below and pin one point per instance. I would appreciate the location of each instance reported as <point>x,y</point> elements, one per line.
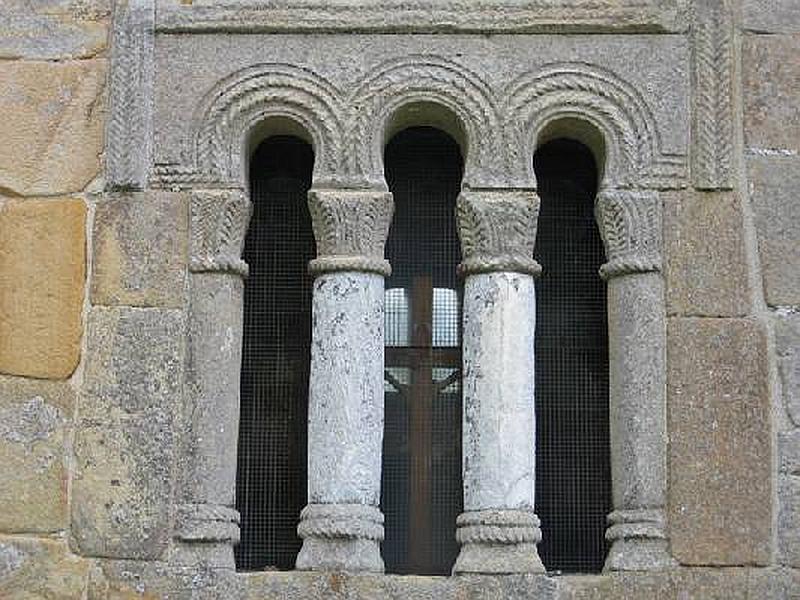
<point>421,476</point>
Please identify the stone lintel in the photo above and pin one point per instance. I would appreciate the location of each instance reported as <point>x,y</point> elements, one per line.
<point>497,229</point>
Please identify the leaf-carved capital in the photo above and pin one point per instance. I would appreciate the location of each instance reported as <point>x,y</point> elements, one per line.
<point>630,225</point>
<point>350,228</point>
<point>498,231</point>
<point>218,221</point>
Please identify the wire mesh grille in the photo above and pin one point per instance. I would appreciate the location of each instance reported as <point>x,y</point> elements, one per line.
<point>421,481</point>
<point>573,492</point>
<point>271,475</point>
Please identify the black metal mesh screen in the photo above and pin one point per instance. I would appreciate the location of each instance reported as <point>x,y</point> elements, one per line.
<point>421,483</point>
<point>573,490</point>
<point>271,476</point>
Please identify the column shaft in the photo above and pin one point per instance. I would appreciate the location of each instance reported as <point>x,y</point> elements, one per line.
<point>498,530</point>
<point>342,524</point>
<point>630,222</point>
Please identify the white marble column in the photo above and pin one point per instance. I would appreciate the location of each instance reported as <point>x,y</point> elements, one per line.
<point>342,525</point>
<point>498,530</point>
<point>630,224</point>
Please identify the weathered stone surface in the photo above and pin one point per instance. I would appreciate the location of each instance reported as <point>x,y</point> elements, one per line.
<point>140,244</point>
<point>40,569</point>
<point>771,16</point>
<point>706,265</point>
<point>789,520</point>
<point>133,363</point>
<point>52,145</point>
<point>33,416</point>
<point>789,453</point>
<point>720,489</point>
<point>42,272</point>
<point>52,29</point>
<point>341,586</point>
<point>705,584</point>
<point>771,78</point>
<point>774,182</point>
<point>157,580</point>
<point>775,584</point>
<point>787,347</point>
<point>125,442</point>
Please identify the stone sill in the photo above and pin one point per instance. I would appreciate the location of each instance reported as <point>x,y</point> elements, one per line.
<point>730,583</point>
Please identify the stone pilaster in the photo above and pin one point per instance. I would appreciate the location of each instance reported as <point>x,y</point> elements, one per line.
<point>498,530</point>
<point>630,224</point>
<point>207,524</point>
<point>342,525</point>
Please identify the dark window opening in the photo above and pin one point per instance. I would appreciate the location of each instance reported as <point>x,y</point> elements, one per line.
<point>421,482</point>
<point>573,473</point>
<point>271,473</point>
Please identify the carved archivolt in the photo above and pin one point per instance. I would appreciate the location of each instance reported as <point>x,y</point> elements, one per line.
<point>604,100</point>
<point>348,128</point>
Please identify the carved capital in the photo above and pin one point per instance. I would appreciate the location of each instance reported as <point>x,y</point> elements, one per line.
<point>218,223</point>
<point>350,228</point>
<point>630,225</point>
<point>498,231</point>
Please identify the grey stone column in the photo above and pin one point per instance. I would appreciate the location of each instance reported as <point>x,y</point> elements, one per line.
<point>342,525</point>
<point>207,525</point>
<point>630,224</point>
<point>498,530</point>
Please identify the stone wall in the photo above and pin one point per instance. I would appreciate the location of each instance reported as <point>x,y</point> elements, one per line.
<point>96,371</point>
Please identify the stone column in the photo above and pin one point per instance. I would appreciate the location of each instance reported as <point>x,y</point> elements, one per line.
<point>207,524</point>
<point>630,224</point>
<point>498,530</point>
<point>342,525</point>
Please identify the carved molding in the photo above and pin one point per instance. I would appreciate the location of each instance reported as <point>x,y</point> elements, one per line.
<point>130,123</point>
<point>712,55</point>
<point>497,230</point>
<point>210,523</point>
<point>350,229</point>
<point>630,225</point>
<point>606,101</point>
<point>428,16</point>
<point>500,125</point>
<point>341,521</point>
<point>218,225</point>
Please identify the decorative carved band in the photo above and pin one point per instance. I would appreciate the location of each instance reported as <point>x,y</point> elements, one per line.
<point>350,228</point>
<point>712,30</point>
<point>498,231</point>
<point>630,225</point>
<point>207,523</point>
<point>341,521</point>
<point>130,123</point>
<point>498,527</point>
<point>642,523</point>
<point>218,224</point>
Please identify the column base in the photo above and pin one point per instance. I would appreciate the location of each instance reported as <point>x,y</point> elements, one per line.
<point>205,534</point>
<point>340,537</point>
<point>498,542</point>
<point>638,541</point>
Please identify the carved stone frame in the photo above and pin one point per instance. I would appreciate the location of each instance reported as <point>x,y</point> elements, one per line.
<point>348,151</point>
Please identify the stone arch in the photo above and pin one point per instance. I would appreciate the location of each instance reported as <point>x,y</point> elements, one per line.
<point>242,109</point>
<point>602,101</point>
<point>441,87</point>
